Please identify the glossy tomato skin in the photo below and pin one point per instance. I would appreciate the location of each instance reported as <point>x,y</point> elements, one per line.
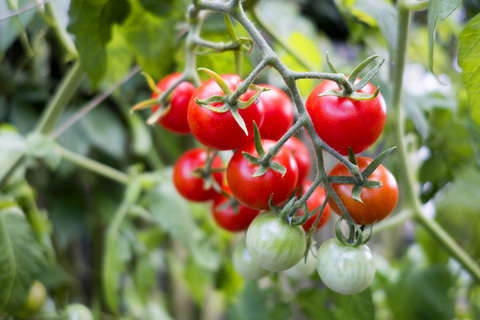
<point>377,203</point>
<point>254,192</point>
<point>314,201</point>
<point>245,265</point>
<point>345,269</point>
<point>220,131</point>
<point>274,244</point>
<point>343,122</point>
<point>278,113</point>
<point>175,119</point>
<point>232,218</point>
<point>190,186</point>
<point>77,311</point>
<point>302,157</point>
<point>303,269</point>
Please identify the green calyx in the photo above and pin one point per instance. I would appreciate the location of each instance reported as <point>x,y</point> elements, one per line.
<point>228,106</point>
<point>356,236</point>
<point>349,89</point>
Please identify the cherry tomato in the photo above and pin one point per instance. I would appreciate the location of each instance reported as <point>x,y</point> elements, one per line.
<point>303,269</point>
<point>175,119</point>
<point>254,192</point>
<point>343,122</point>
<point>313,202</point>
<point>278,113</point>
<point>302,157</point>
<point>245,265</point>
<point>188,183</point>
<point>77,311</point>
<point>232,216</point>
<point>345,269</point>
<point>274,244</point>
<point>377,203</point>
<point>220,131</point>
<point>35,300</point>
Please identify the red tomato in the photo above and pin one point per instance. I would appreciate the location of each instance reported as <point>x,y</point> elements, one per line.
<point>314,201</point>
<point>377,203</point>
<point>254,192</point>
<point>343,122</point>
<point>302,157</point>
<point>187,183</point>
<point>234,217</point>
<point>220,131</point>
<point>278,113</point>
<point>175,119</point>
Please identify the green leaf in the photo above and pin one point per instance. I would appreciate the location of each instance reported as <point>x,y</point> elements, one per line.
<point>164,8</point>
<point>197,279</point>
<point>10,149</point>
<point>91,22</point>
<point>250,304</point>
<point>39,146</point>
<point>21,259</point>
<point>313,303</point>
<point>359,306</point>
<point>468,57</point>
<point>11,28</point>
<point>384,15</point>
<point>447,7</point>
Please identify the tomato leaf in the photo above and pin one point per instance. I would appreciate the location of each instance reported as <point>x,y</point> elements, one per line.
<point>376,162</point>
<point>21,259</point>
<point>468,58</point>
<point>355,73</point>
<point>356,191</point>
<point>238,118</point>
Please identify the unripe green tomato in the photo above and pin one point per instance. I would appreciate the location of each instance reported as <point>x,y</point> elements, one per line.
<point>344,268</point>
<point>273,243</point>
<point>245,265</point>
<point>77,311</point>
<point>303,269</point>
<point>35,300</point>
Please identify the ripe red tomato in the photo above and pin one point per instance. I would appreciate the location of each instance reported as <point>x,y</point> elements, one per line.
<point>234,217</point>
<point>343,122</point>
<point>278,113</point>
<point>313,202</point>
<point>175,119</point>
<point>377,203</point>
<point>187,183</point>
<point>254,192</point>
<point>302,157</point>
<point>220,131</point>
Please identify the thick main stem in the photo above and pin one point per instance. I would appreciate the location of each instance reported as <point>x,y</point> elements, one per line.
<point>410,195</point>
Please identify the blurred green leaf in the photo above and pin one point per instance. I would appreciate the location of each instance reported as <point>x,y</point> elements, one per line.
<point>91,22</point>
<point>468,57</point>
<point>250,304</point>
<point>39,146</point>
<point>120,58</point>
<point>165,7</point>
<point>313,303</point>
<point>198,280</point>
<point>12,145</point>
<point>447,7</point>
<point>11,28</point>
<point>21,259</point>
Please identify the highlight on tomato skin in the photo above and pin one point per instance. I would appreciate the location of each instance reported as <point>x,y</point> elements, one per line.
<point>315,201</point>
<point>377,203</point>
<point>254,192</point>
<point>278,113</point>
<point>343,122</point>
<point>175,118</point>
<point>189,184</point>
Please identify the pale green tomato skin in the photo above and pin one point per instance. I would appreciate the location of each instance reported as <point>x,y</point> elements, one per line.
<point>274,244</point>
<point>35,300</point>
<point>78,311</point>
<point>345,269</point>
<point>303,270</point>
<point>245,265</point>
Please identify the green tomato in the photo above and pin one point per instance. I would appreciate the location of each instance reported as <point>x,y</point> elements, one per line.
<point>77,311</point>
<point>303,269</point>
<point>343,268</point>
<point>274,244</point>
<point>34,301</point>
<point>245,265</point>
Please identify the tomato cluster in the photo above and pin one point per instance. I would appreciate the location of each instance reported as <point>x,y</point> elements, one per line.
<point>240,193</point>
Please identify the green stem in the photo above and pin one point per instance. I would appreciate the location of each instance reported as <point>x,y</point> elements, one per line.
<point>60,33</point>
<point>94,166</point>
<point>410,196</point>
<point>393,221</point>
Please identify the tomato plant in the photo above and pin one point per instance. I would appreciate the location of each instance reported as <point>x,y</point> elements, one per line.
<point>316,200</point>
<point>278,113</point>
<point>273,243</point>
<point>254,192</point>
<point>245,265</point>
<point>345,269</point>
<point>219,130</point>
<point>302,157</point>
<point>344,122</point>
<point>231,215</point>
<point>174,117</point>
<point>189,181</point>
<point>35,300</point>
<point>376,203</point>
